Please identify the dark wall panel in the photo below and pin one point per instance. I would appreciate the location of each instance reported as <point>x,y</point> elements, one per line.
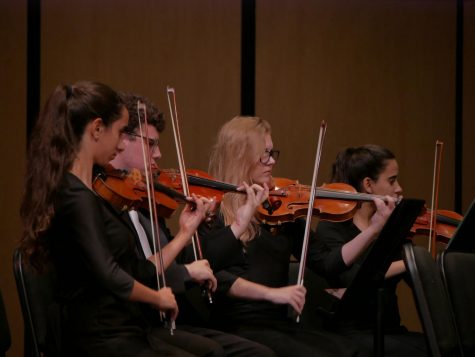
<point>12,149</point>
<point>377,72</point>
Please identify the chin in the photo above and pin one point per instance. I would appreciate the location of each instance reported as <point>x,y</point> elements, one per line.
<point>266,180</point>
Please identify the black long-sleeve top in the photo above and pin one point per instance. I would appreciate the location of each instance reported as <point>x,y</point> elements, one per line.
<point>93,252</point>
<point>330,238</point>
<point>264,260</point>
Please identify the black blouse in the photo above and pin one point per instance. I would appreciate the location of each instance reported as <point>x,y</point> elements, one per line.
<point>331,236</point>
<point>264,260</point>
<point>93,252</point>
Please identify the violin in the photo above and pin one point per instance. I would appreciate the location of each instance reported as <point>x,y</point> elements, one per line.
<point>126,190</point>
<point>336,202</point>
<point>445,227</point>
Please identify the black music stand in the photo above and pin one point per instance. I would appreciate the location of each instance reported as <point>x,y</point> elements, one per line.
<point>463,239</point>
<point>376,263</point>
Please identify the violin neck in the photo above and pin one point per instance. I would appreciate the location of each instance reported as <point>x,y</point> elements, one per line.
<point>170,192</point>
<point>341,195</point>
<point>205,182</point>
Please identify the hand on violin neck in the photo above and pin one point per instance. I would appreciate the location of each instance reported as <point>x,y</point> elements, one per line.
<point>383,210</point>
<point>190,218</point>
<point>255,195</point>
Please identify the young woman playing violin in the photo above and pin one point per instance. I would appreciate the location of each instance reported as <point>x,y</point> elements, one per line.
<point>341,247</point>
<point>181,272</point>
<point>101,282</point>
<point>253,292</point>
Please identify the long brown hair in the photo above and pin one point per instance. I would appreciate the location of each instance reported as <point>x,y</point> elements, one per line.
<point>237,149</point>
<point>53,147</point>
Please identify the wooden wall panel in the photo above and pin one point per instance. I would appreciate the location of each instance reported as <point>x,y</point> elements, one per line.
<point>377,72</point>
<point>145,45</point>
<point>12,149</point>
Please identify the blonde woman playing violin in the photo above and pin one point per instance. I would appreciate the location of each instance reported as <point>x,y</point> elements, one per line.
<point>253,292</point>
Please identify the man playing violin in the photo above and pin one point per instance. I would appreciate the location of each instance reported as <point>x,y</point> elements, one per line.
<point>180,276</point>
<point>253,294</point>
<point>342,246</point>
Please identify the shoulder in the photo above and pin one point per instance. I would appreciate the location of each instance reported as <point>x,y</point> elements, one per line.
<point>342,229</point>
<point>74,195</point>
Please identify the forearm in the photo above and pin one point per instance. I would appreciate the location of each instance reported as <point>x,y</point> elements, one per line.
<point>246,289</point>
<point>144,294</point>
<point>352,250</point>
<point>170,251</point>
<point>395,268</point>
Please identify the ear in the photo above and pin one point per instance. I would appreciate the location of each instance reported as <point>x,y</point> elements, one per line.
<point>367,185</point>
<point>97,126</point>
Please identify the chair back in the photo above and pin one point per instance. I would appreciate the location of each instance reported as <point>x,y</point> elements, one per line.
<point>458,272</point>
<point>432,302</point>
<point>37,294</point>
<point>5,338</point>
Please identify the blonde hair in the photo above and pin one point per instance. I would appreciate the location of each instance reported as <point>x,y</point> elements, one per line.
<point>239,144</point>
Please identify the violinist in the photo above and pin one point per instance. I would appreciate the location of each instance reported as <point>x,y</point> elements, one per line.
<point>343,245</point>
<point>101,283</point>
<point>253,293</point>
<point>181,273</point>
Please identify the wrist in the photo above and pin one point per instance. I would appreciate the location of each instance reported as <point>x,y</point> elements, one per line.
<point>237,229</point>
<point>373,232</point>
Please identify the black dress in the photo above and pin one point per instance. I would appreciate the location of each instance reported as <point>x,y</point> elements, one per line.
<point>264,260</point>
<point>359,320</point>
<point>93,252</point>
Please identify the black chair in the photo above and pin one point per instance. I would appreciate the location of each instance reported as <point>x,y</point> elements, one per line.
<point>37,295</point>
<point>432,302</point>
<point>5,339</point>
<point>458,272</point>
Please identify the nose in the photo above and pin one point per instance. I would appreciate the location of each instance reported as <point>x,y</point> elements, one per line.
<point>156,154</point>
<point>271,161</point>
<point>121,145</point>
<point>398,189</point>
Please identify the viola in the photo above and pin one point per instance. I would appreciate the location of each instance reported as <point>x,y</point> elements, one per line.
<point>334,202</point>
<point>445,227</point>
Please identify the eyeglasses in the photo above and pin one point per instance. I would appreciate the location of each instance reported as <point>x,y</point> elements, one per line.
<point>265,157</point>
<point>152,143</point>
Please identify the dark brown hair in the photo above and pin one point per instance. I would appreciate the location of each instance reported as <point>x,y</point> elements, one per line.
<point>154,116</point>
<point>54,144</point>
<point>353,164</point>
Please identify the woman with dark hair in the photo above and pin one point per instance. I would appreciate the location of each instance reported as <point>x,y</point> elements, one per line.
<point>100,280</point>
<point>253,291</point>
<point>342,246</point>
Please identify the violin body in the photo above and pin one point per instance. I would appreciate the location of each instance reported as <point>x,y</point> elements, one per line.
<point>289,201</point>
<point>125,190</point>
<point>445,227</point>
